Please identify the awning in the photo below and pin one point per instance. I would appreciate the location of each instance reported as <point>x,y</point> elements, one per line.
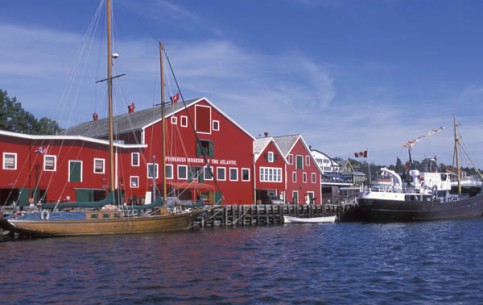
<point>191,185</point>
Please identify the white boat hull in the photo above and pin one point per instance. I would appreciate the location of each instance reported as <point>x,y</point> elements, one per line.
<point>325,219</point>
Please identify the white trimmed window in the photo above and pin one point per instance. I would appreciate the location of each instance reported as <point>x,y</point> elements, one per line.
<point>314,178</point>
<point>221,173</point>
<point>10,161</point>
<point>152,170</point>
<point>245,174</point>
<point>174,120</point>
<point>182,172</point>
<point>216,125</point>
<point>135,159</point>
<point>134,181</point>
<point>99,166</point>
<point>307,160</point>
<point>169,171</point>
<point>270,157</point>
<point>208,172</point>
<point>294,176</point>
<point>270,174</point>
<point>184,121</point>
<point>304,177</point>
<point>50,163</point>
<point>290,159</point>
<point>233,174</point>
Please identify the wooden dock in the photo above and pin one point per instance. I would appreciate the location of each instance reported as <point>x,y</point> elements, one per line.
<point>263,215</point>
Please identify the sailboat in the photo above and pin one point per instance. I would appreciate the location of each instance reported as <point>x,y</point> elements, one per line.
<point>111,218</point>
<point>426,196</point>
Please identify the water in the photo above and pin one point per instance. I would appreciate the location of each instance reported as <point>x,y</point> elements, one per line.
<point>345,263</point>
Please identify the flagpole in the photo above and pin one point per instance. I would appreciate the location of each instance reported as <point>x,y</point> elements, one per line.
<point>369,165</point>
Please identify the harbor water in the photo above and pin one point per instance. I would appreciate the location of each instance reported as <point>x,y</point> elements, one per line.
<point>436,262</point>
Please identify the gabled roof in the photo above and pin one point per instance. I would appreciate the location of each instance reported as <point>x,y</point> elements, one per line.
<point>128,122</point>
<point>138,120</point>
<point>286,143</point>
<point>64,138</point>
<point>261,144</point>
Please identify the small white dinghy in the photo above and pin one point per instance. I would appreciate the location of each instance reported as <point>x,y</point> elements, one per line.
<point>290,219</point>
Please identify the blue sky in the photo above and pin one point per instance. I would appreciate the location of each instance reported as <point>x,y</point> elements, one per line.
<point>348,75</point>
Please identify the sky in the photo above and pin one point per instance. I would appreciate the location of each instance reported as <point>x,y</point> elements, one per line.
<point>348,75</point>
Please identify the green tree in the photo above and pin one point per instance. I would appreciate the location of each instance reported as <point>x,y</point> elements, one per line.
<point>16,119</point>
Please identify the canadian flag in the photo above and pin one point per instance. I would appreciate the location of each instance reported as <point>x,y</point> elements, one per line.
<point>361,154</point>
<point>41,150</point>
<point>174,98</point>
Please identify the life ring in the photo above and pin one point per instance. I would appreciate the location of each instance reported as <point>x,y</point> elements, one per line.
<point>44,215</point>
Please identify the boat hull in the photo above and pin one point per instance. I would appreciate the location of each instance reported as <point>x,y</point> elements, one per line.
<point>123,225</point>
<point>383,210</point>
<point>325,219</point>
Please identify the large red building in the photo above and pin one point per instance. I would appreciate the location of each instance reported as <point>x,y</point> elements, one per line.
<point>208,157</point>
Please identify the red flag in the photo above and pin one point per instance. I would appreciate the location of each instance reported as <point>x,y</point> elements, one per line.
<point>361,154</point>
<point>174,98</point>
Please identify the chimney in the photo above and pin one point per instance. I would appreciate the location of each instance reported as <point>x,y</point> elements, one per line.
<point>130,108</point>
<point>95,116</point>
<point>266,134</point>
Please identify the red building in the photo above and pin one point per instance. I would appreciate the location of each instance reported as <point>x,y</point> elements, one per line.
<point>55,168</point>
<point>208,157</point>
<point>270,167</point>
<point>303,175</point>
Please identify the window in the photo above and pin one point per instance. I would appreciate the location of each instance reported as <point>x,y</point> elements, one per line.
<point>270,174</point>
<point>314,178</point>
<point>134,181</point>
<point>195,174</point>
<point>216,125</point>
<point>233,174</point>
<point>245,174</point>
<point>99,166</point>
<point>300,162</point>
<point>169,171</point>
<point>9,161</point>
<point>75,171</point>
<point>304,177</point>
<point>50,163</point>
<point>205,148</point>
<point>182,172</point>
<point>184,121</point>
<point>290,159</point>
<point>294,176</point>
<point>307,160</point>
<point>152,170</point>
<point>174,120</point>
<point>208,173</point>
<point>270,157</point>
<point>221,173</point>
<point>134,159</point>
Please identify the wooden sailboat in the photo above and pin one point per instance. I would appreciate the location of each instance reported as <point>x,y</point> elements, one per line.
<point>114,220</point>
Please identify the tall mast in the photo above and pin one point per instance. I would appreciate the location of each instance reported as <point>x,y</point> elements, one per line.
<point>109,94</point>
<point>163,114</point>
<point>456,150</point>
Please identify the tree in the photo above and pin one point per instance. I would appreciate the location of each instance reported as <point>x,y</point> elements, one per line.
<point>16,119</point>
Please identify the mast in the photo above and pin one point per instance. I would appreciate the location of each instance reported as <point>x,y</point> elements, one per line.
<point>456,150</point>
<point>163,114</point>
<point>109,94</point>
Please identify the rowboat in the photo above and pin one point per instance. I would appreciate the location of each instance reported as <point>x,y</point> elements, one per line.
<point>324,219</point>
